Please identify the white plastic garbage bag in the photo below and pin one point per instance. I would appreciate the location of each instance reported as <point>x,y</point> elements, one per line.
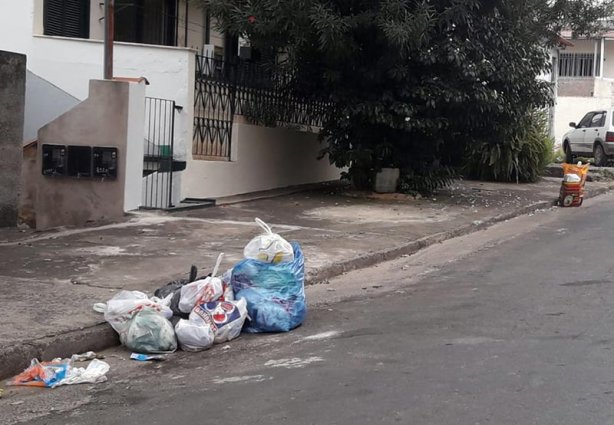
<point>224,318</point>
<point>193,336</point>
<point>204,290</point>
<point>120,309</point>
<point>268,247</point>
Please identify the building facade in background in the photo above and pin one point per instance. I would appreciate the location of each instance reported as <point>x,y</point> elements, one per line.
<point>200,142</point>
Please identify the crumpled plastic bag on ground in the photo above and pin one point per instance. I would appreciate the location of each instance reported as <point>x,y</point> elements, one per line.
<point>149,332</point>
<point>275,293</point>
<point>268,247</point>
<point>94,373</point>
<point>60,372</point>
<point>42,374</point>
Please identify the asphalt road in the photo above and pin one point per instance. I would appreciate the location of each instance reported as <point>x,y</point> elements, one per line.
<point>513,325</point>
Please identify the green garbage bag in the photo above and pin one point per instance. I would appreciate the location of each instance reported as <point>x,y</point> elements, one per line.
<point>150,333</point>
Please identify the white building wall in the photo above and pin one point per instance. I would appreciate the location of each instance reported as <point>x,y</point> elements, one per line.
<point>44,103</point>
<point>16,26</point>
<point>70,64</point>
<point>134,147</point>
<point>264,158</point>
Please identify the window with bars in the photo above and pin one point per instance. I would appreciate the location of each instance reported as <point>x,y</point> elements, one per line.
<point>67,18</point>
<point>578,65</point>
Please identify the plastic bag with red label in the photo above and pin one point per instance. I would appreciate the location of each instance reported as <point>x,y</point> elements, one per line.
<point>203,290</point>
<point>224,318</point>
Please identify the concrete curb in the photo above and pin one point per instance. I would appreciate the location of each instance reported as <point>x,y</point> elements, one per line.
<point>412,247</point>
<point>16,358</point>
<point>372,258</point>
<point>100,336</point>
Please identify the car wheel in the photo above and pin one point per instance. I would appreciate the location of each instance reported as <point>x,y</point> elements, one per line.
<point>568,154</point>
<point>599,155</point>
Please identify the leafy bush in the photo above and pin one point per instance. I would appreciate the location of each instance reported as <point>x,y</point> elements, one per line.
<point>521,157</point>
<point>426,179</point>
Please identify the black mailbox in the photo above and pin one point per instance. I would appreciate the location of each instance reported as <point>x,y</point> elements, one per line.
<point>105,162</point>
<point>54,160</point>
<point>79,163</point>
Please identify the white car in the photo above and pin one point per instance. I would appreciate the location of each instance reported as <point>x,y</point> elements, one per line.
<point>592,137</point>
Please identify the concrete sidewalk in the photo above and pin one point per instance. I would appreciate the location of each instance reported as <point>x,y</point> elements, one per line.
<point>52,279</point>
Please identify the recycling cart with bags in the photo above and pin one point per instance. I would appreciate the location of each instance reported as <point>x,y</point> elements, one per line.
<point>572,187</point>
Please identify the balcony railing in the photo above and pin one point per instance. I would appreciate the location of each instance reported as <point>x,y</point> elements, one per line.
<point>263,95</point>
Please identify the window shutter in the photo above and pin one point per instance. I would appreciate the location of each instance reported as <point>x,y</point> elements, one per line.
<point>67,18</point>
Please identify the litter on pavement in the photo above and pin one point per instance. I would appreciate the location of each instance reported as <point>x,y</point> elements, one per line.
<point>147,357</point>
<point>264,292</point>
<point>61,372</point>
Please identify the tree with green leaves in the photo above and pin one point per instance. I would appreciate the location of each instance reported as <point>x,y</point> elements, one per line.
<point>420,85</point>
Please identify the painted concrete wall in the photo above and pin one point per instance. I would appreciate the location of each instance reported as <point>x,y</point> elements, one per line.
<point>581,46</point>
<point>71,63</point>
<point>16,25</point>
<point>155,188</point>
<point>133,159</point>
<point>572,109</point>
<point>576,87</point>
<point>108,117</point>
<point>263,158</point>
<point>12,100</point>
<point>44,103</point>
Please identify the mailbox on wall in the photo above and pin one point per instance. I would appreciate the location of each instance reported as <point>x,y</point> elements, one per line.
<point>80,161</point>
<point>54,160</point>
<point>105,162</point>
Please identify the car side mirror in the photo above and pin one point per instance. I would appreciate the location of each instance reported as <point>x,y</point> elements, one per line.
<point>573,124</point>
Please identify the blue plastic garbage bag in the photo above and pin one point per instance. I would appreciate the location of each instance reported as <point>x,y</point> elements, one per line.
<point>275,293</point>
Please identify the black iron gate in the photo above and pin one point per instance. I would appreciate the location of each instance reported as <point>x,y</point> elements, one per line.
<point>158,153</point>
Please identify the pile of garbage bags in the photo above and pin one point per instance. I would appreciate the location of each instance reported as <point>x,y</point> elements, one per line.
<point>262,293</point>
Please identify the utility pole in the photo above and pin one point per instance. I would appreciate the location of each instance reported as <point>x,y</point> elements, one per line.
<point>109,31</point>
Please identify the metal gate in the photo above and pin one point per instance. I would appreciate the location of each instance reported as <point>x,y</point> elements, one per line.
<point>158,153</point>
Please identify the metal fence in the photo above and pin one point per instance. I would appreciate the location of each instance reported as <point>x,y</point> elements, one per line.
<point>579,65</point>
<point>158,153</point>
<point>263,95</point>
